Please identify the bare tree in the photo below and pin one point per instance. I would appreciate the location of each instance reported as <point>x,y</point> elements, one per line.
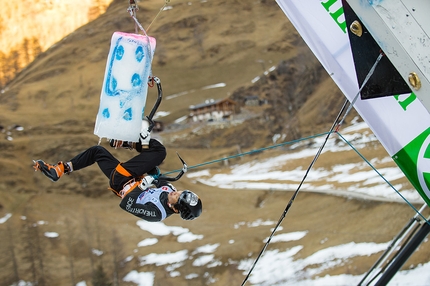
<point>12,252</point>
<point>34,254</point>
<point>100,278</point>
<point>198,34</point>
<point>117,257</point>
<point>98,238</point>
<point>70,248</point>
<point>89,235</point>
<point>40,257</point>
<point>30,250</point>
<point>8,257</point>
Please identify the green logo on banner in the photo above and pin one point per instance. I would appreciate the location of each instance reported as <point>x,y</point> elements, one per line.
<point>414,161</point>
<point>335,9</point>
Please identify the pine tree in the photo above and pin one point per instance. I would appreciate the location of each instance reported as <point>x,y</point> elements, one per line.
<point>95,10</point>
<point>35,47</point>
<point>15,60</point>
<point>3,70</point>
<point>26,50</point>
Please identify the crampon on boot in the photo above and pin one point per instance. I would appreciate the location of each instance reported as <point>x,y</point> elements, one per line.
<point>53,172</point>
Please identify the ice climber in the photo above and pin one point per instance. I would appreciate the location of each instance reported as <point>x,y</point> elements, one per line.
<point>134,181</point>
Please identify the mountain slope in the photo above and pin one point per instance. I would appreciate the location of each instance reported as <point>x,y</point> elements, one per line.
<point>199,43</point>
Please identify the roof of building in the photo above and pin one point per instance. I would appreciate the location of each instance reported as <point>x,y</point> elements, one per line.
<point>210,102</point>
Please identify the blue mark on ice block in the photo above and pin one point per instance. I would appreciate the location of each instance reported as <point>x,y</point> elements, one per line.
<point>123,102</point>
<point>135,80</point>
<point>119,53</point>
<point>106,113</point>
<point>139,54</point>
<point>128,114</point>
<point>114,85</point>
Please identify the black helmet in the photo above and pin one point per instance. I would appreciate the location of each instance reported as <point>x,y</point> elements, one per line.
<point>189,205</point>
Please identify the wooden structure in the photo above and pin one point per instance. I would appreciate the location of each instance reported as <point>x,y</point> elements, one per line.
<point>253,100</point>
<point>213,110</point>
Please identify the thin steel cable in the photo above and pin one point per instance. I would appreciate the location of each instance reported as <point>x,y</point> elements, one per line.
<point>371,71</point>
<point>132,11</point>
<point>249,152</point>
<point>370,164</point>
<point>290,203</point>
<point>159,12</point>
<point>338,121</point>
<point>334,129</point>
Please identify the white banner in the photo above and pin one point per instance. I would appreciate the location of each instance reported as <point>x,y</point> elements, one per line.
<point>395,120</point>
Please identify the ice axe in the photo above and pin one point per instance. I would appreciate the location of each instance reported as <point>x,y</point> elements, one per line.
<point>157,103</point>
<point>182,172</point>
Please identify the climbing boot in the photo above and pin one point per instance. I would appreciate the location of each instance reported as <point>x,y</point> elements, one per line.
<point>53,172</point>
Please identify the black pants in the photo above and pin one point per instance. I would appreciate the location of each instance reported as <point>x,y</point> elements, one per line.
<point>137,166</point>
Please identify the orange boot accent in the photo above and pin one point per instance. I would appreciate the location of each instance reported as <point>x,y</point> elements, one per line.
<point>53,172</point>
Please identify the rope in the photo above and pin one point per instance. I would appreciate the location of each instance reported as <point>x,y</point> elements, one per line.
<point>301,183</point>
<point>290,203</point>
<point>297,141</point>
<point>132,15</point>
<point>249,152</point>
<point>361,88</point>
<point>370,164</point>
<point>159,12</point>
<point>335,127</point>
<point>296,192</point>
<point>132,8</point>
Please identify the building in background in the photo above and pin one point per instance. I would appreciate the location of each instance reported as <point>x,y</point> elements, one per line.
<point>214,110</point>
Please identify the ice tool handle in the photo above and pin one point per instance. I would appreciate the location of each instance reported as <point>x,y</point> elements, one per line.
<point>172,179</point>
<point>157,103</point>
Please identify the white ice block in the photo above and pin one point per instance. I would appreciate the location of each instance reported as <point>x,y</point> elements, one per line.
<point>125,87</point>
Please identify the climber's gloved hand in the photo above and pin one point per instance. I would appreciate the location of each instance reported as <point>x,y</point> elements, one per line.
<point>145,134</point>
<point>146,182</point>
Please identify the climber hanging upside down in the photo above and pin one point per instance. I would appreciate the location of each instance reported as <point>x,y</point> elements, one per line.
<point>149,197</point>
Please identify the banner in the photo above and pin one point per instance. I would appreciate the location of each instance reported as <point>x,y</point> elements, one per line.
<point>401,123</point>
